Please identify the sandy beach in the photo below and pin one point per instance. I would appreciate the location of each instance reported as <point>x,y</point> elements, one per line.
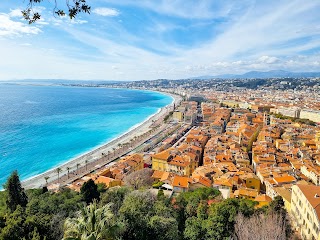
<point>104,154</point>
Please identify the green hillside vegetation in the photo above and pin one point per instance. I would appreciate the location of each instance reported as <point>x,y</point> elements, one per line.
<point>297,120</point>
<point>124,213</point>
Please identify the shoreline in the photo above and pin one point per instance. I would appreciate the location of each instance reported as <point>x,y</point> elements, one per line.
<point>98,153</point>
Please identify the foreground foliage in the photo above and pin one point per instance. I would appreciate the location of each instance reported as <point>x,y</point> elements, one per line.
<point>70,7</point>
<point>92,223</point>
<point>126,213</point>
<point>16,196</point>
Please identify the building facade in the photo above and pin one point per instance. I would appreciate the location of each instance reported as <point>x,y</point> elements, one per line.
<point>305,209</point>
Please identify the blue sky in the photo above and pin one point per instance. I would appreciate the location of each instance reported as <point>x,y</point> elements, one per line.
<point>141,39</point>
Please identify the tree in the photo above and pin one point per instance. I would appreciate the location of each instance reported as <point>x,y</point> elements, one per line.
<point>136,210</point>
<point>14,228</point>
<point>16,195</point>
<point>277,207</point>
<point>46,178</point>
<point>49,211</point>
<point>89,191</point>
<point>92,223</point>
<point>114,196</point>
<point>139,179</point>
<point>68,170</point>
<point>78,165</point>
<point>221,218</point>
<point>146,218</point>
<point>20,225</point>
<point>71,8</point>
<point>191,210</point>
<point>260,226</point>
<point>58,170</point>
<point>86,161</point>
<point>35,234</point>
<point>163,228</point>
<point>194,229</point>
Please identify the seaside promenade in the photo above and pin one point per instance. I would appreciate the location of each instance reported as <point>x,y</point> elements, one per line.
<point>105,154</point>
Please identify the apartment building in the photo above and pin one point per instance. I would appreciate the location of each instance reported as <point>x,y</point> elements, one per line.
<point>305,209</point>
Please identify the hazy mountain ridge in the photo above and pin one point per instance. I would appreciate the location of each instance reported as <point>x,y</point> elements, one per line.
<point>261,74</point>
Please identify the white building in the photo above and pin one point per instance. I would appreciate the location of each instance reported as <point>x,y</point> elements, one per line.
<point>305,209</point>
<point>313,115</point>
<point>289,111</point>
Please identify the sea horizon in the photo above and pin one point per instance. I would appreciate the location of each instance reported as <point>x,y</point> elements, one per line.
<point>48,139</point>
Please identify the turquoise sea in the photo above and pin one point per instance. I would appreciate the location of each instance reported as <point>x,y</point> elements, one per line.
<point>44,126</point>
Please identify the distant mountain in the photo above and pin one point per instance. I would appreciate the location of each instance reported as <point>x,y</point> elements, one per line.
<point>268,74</point>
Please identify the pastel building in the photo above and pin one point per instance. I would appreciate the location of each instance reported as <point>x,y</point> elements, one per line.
<point>313,115</point>
<point>305,209</point>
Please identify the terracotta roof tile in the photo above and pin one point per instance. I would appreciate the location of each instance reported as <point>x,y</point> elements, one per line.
<point>312,193</point>
<point>263,198</point>
<point>182,182</point>
<point>157,174</point>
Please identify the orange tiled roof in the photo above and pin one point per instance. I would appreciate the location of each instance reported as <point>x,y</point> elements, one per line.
<point>203,180</point>
<point>166,176</point>
<point>157,174</point>
<point>284,179</point>
<point>102,179</point>
<point>246,192</point>
<point>164,155</point>
<point>312,193</point>
<point>182,182</point>
<point>263,198</point>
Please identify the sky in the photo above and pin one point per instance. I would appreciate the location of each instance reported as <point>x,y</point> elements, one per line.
<point>153,39</point>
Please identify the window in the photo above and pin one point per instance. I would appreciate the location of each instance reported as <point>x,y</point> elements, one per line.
<point>315,228</point>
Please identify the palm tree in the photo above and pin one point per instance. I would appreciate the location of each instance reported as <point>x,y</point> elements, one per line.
<point>46,178</point>
<point>92,223</point>
<point>68,169</point>
<point>124,147</point>
<point>114,152</point>
<point>86,163</point>
<point>78,165</point>
<point>59,171</point>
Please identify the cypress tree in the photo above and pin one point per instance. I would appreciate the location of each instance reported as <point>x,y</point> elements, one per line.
<point>89,191</point>
<point>15,193</point>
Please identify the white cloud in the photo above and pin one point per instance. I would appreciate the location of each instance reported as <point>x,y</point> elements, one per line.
<point>26,44</point>
<point>9,27</point>
<point>261,38</point>
<point>199,9</point>
<point>268,60</point>
<point>15,13</point>
<point>78,21</point>
<point>106,12</point>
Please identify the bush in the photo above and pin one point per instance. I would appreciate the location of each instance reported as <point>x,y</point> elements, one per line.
<point>157,184</point>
